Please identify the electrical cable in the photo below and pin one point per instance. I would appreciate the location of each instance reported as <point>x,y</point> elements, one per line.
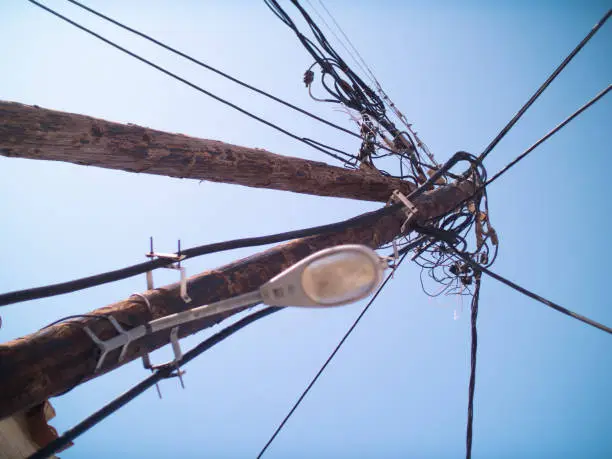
<point>473,354</point>
<point>329,359</point>
<point>192,85</point>
<point>552,132</point>
<point>476,267</point>
<point>141,268</point>
<point>165,372</point>
<point>549,135</point>
<point>541,89</point>
<point>212,69</point>
<point>354,93</point>
<point>368,71</point>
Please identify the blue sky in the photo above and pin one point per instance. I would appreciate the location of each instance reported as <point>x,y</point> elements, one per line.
<point>398,388</point>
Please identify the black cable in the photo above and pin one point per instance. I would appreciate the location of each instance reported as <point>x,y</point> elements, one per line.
<point>192,85</point>
<point>476,267</point>
<point>541,89</point>
<point>165,372</point>
<point>472,385</point>
<point>354,93</point>
<point>141,268</point>
<point>212,69</point>
<point>549,134</point>
<point>329,359</point>
<point>556,129</point>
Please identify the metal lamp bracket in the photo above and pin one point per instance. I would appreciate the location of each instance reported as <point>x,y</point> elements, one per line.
<point>178,355</point>
<point>105,348</point>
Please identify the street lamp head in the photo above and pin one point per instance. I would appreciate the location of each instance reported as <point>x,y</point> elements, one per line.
<point>330,277</point>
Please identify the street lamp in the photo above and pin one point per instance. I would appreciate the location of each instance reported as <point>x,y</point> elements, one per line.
<point>331,277</point>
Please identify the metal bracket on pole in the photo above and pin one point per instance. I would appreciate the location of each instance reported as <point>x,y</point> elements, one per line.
<point>104,346</point>
<point>410,211</point>
<point>177,257</point>
<point>178,355</point>
<point>409,208</point>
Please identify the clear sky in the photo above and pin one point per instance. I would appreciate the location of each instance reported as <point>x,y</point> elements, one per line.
<point>398,388</point>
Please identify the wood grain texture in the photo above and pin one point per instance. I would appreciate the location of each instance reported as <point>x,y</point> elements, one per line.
<point>35,133</point>
<point>55,359</point>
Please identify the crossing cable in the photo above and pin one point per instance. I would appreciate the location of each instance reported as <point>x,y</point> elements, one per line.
<point>549,134</point>
<point>212,69</point>
<point>329,359</point>
<point>367,70</point>
<point>539,142</point>
<point>385,98</point>
<point>354,94</point>
<point>305,140</point>
<point>541,89</point>
<point>165,372</point>
<point>476,267</point>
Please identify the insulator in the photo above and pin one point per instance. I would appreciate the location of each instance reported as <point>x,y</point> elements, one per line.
<point>308,77</point>
<point>466,280</point>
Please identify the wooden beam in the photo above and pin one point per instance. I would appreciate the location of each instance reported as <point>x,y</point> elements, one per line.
<point>57,358</point>
<point>36,133</point>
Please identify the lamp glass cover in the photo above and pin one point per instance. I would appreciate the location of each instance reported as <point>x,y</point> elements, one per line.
<point>340,278</point>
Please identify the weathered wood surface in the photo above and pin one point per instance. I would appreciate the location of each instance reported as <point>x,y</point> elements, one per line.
<point>36,133</point>
<point>57,358</point>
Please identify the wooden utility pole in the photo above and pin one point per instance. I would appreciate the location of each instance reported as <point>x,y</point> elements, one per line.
<point>57,358</point>
<point>36,133</point>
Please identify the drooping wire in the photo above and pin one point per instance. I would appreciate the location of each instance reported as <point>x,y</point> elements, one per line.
<point>360,61</point>
<point>542,88</point>
<point>329,359</point>
<point>530,294</point>
<point>162,373</point>
<point>473,355</point>
<point>348,89</point>
<point>449,238</point>
<point>196,87</point>
<point>141,268</point>
<point>213,69</point>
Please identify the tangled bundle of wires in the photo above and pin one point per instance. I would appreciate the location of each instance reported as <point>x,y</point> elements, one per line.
<point>466,231</point>
<point>380,136</point>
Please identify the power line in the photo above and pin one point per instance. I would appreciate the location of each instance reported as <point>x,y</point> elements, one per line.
<point>549,134</point>
<point>208,67</point>
<point>194,86</point>
<point>541,89</point>
<point>354,93</point>
<point>476,267</point>
<point>522,156</point>
<point>329,359</point>
<point>165,372</point>
<point>141,268</point>
<point>473,353</point>
<point>363,69</point>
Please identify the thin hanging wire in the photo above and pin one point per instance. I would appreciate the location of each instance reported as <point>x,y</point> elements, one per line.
<point>329,359</point>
